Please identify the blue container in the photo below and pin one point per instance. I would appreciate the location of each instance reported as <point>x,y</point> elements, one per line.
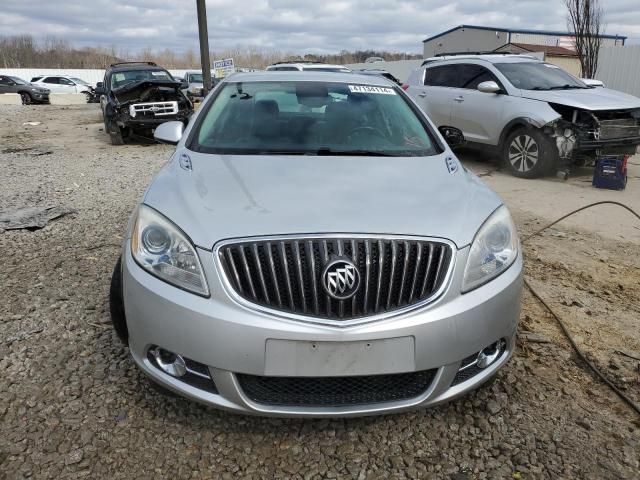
<point>611,172</point>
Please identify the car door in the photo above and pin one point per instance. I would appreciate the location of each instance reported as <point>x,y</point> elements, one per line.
<point>69,86</point>
<point>436,95</point>
<point>6,85</point>
<point>479,115</point>
<point>52,83</point>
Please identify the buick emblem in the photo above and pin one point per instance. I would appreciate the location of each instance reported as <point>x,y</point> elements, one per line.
<point>341,279</point>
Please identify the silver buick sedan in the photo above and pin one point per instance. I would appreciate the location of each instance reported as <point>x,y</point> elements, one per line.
<point>314,248</point>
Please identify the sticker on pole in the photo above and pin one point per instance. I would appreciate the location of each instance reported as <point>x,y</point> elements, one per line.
<point>371,89</point>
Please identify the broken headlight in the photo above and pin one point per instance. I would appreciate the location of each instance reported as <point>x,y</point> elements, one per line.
<point>493,250</point>
<point>164,251</point>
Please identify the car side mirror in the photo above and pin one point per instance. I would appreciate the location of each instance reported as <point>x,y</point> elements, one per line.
<point>184,84</point>
<point>489,87</point>
<point>100,90</point>
<point>169,132</point>
<point>453,136</point>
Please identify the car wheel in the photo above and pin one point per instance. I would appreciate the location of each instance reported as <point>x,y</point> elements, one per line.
<point>26,98</point>
<point>116,304</point>
<point>528,153</point>
<point>114,132</point>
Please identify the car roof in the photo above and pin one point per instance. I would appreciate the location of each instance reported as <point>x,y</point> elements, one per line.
<point>309,65</point>
<point>128,68</point>
<point>309,76</point>
<point>497,58</point>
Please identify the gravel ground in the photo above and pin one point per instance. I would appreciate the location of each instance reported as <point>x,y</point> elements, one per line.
<point>72,404</point>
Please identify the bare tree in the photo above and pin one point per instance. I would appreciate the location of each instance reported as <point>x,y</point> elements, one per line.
<point>584,17</point>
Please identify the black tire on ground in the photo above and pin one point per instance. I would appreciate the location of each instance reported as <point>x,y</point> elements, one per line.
<point>114,132</point>
<point>26,98</point>
<point>116,304</point>
<point>116,137</point>
<point>529,153</point>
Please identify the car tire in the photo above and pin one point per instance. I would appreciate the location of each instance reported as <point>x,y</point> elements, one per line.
<point>116,304</point>
<point>114,131</point>
<point>26,98</point>
<point>528,153</point>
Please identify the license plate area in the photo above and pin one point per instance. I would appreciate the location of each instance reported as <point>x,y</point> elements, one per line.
<point>334,359</point>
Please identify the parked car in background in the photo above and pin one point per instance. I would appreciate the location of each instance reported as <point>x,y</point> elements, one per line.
<point>62,84</point>
<point>379,72</point>
<point>28,92</point>
<point>136,97</point>
<point>314,248</point>
<point>194,85</point>
<point>534,115</point>
<point>307,67</point>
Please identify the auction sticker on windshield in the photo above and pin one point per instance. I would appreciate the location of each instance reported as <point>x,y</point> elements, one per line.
<point>371,89</point>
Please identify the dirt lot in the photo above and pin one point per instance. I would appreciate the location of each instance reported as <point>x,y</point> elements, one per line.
<point>72,405</point>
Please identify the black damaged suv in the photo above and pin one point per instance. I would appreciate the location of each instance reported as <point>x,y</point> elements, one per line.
<point>136,97</point>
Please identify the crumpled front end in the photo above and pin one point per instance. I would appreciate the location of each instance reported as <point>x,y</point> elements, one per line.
<point>145,105</point>
<point>583,135</point>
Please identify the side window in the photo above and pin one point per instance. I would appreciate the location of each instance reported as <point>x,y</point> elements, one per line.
<point>5,81</point>
<point>443,76</point>
<point>54,80</point>
<point>65,81</point>
<point>35,79</point>
<point>473,75</point>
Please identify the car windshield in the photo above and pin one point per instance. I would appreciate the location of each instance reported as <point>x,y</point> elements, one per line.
<point>78,80</point>
<point>19,81</point>
<point>118,79</point>
<point>311,118</point>
<point>538,76</point>
<point>195,78</point>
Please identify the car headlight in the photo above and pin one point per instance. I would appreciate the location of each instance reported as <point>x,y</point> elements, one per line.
<point>163,250</point>
<point>493,250</point>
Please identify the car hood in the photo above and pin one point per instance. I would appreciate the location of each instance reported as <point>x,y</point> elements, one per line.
<point>39,88</point>
<point>140,90</point>
<point>240,196</point>
<point>586,99</point>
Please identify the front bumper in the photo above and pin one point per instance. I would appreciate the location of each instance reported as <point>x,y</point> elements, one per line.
<point>590,144</point>
<point>140,122</point>
<point>230,339</point>
<point>39,97</point>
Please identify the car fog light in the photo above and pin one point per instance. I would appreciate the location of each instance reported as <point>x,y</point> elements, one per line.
<point>490,354</point>
<point>169,362</point>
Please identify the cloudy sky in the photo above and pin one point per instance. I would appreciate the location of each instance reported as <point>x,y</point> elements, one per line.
<point>300,26</point>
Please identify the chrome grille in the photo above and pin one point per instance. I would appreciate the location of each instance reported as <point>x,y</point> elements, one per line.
<point>156,108</point>
<point>285,274</point>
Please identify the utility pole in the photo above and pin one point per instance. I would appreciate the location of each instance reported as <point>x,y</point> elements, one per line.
<point>204,45</point>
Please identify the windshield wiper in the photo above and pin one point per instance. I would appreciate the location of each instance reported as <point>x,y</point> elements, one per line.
<point>565,87</point>
<point>328,152</point>
<point>353,153</point>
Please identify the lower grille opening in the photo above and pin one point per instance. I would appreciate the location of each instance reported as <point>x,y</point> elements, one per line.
<point>335,391</point>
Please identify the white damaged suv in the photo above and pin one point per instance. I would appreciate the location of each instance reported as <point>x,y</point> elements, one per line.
<point>534,115</point>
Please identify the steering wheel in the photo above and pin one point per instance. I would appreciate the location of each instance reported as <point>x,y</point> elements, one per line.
<point>370,130</point>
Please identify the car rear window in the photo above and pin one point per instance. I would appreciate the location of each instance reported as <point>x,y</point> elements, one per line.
<point>311,118</point>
